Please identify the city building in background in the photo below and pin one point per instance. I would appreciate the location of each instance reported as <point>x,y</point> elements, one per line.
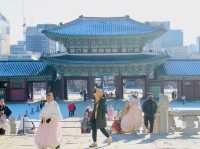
<point>4,36</point>
<point>164,24</point>
<point>179,52</point>
<point>18,48</point>
<point>38,42</point>
<point>198,43</point>
<point>171,39</point>
<point>18,51</point>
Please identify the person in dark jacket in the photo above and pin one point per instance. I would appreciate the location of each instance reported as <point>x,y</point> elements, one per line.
<point>98,119</point>
<point>149,108</point>
<point>5,108</point>
<point>5,114</point>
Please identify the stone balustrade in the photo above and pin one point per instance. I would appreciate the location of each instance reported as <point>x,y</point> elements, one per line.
<point>165,118</point>
<point>189,117</point>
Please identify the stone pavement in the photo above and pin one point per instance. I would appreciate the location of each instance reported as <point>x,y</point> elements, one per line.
<point>74,140</point>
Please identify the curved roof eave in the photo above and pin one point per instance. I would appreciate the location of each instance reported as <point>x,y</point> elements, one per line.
<point>101,27</point>
<point>150,35</point>
<point>106,62</point>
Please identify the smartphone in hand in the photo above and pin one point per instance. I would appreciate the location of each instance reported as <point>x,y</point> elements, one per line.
<point>48,120</point>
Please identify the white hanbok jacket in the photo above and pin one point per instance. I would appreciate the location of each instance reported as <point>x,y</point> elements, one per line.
<point>4,123</point>
<point>51,110</point>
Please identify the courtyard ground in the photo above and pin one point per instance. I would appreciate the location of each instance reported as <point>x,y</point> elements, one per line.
<point>73,139</point>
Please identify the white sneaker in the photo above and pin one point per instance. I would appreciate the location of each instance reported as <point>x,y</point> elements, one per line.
<point>93,145</point>
<point>109,140</point>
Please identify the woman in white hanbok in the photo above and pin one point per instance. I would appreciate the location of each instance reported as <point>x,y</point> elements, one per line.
<point>49,134</point>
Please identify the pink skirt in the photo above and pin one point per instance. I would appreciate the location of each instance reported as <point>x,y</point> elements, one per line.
<point>48,135</point>
<point>132,120</point>
<point>110,114</point>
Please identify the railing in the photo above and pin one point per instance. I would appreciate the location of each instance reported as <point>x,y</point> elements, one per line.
<point>63,121</point>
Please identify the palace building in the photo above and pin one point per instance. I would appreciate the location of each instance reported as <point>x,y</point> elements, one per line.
<point>99,47</point>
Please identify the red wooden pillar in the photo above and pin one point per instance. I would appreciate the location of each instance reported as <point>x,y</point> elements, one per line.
<point>29,89</point>
<point>62,88</point>
<point>180,88</point>
<point>90,86</point>
<point>7,91</point>
<point>59,90</point>
<point>146,85</point>
<point>32,90</point>
<point>119,87</point>
<point>162,86</point>
<point>65,88</point>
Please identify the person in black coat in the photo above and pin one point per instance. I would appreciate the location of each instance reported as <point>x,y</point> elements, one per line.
<point>5,111</point>
<point>98,119</point>
<point>149,108</point>
<point>5,108</point>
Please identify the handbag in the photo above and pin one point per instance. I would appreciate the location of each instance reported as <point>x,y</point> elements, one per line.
<point>87,122</point>
<point>85,126</point>
<point>48,120</point>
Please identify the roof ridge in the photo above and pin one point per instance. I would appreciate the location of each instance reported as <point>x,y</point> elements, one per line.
<point>102,26</point>
<point>106,18</point>
<point>83,18</point>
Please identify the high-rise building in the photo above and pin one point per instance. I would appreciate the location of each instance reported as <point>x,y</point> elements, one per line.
<point>36,41</point>
<point>4,36</point>
<point>164,24</point>
<point>18,51</point>
<point>18,48</point>
<point>198,43</point>
<point>171,39</point>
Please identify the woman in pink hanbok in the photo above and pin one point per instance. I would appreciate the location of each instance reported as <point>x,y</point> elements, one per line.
<point>132,116</point>
<point>49,134</point>
<point>110,113</point>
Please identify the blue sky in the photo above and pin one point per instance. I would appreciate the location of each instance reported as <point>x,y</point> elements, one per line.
<point>183,14</point>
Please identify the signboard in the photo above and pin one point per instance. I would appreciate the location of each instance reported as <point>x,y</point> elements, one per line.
<point>155,90</point>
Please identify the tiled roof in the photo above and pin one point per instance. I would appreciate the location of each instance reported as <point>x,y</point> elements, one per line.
<point>180,67</point>
<point>102,26</point>
<point>20,69</point>
<point>93,59</point>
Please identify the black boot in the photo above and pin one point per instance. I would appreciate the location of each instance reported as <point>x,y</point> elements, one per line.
<point>2,131</point>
